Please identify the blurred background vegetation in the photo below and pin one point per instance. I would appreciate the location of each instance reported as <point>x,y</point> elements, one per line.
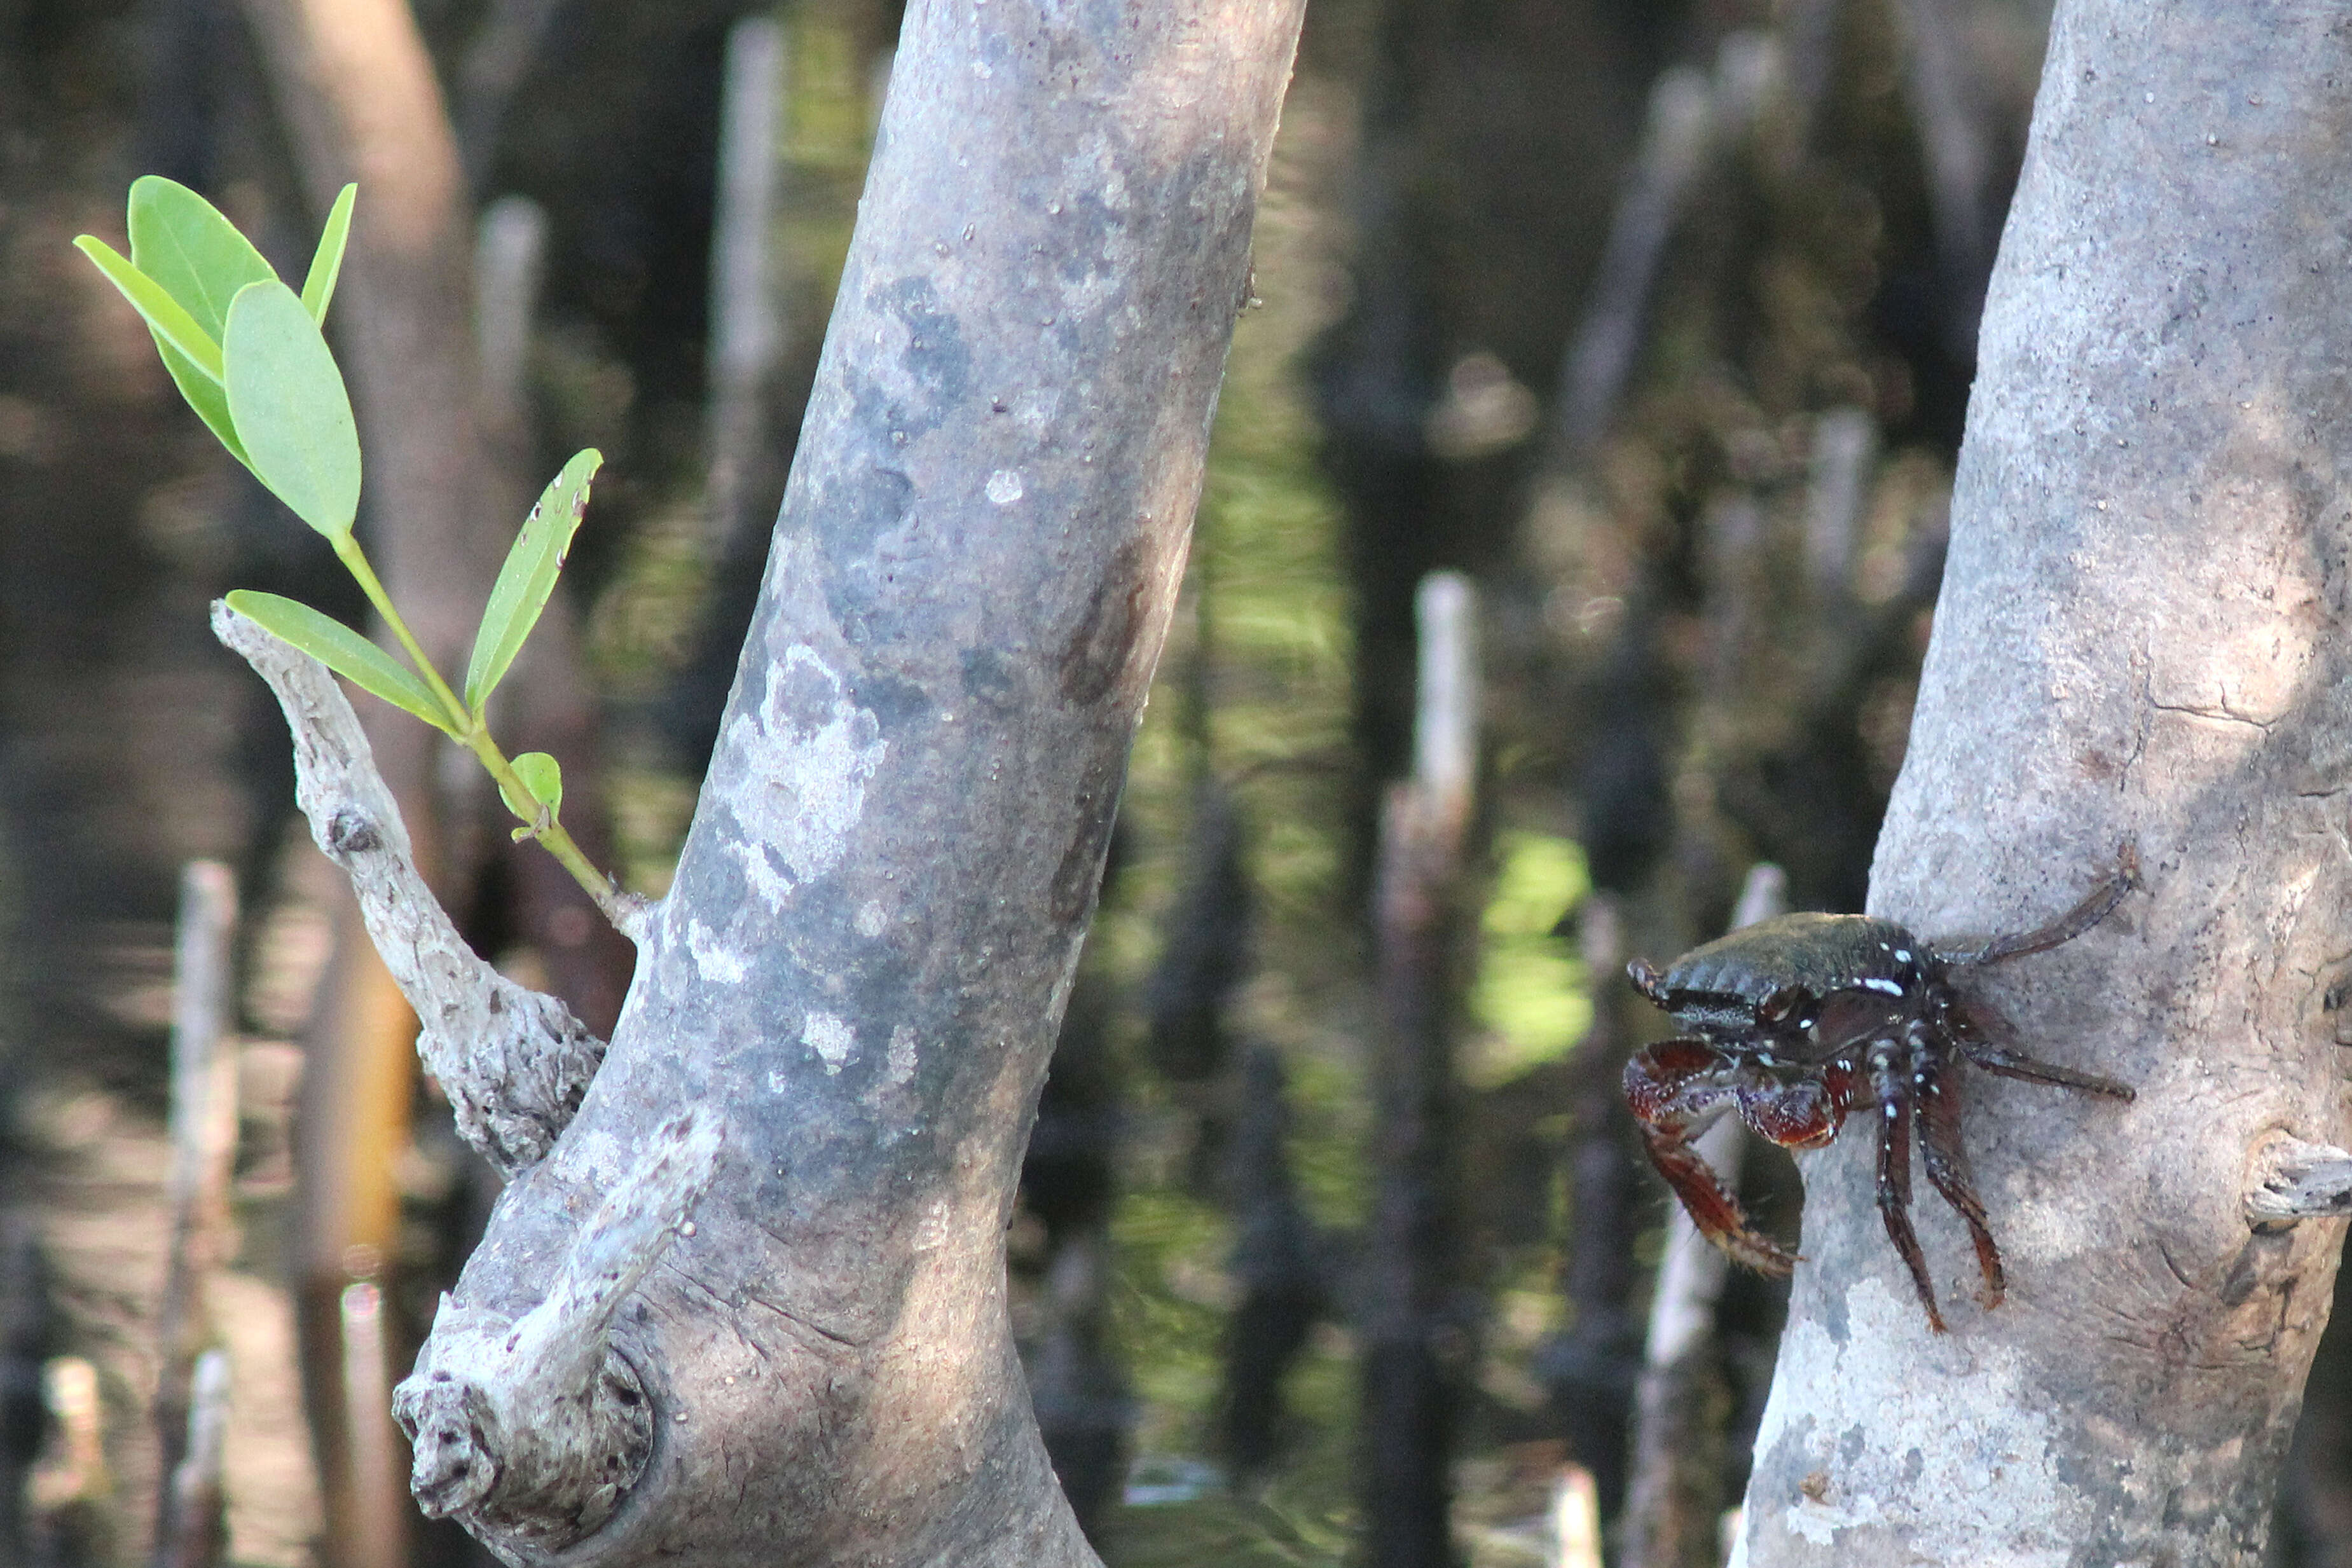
<point>1652,318</point>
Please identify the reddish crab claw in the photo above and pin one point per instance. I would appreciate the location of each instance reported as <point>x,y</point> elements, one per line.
<point>1786,1019</point>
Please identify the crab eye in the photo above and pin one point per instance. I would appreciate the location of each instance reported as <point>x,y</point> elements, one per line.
<point>1780,1007</point>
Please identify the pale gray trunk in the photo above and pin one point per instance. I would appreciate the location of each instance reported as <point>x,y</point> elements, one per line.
<point>2142,636</point>
<point>858,974</point>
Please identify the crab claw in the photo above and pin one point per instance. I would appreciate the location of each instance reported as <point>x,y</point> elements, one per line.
<point>1676,1088</point>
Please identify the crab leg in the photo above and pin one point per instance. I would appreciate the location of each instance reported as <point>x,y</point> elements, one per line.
<point>1990,1042</point>
<point>2096,906</point>
<point>1935,1096</point>
<point>1675,1088</point>
<point>1888,1073</point>
<point>2010,1063</point>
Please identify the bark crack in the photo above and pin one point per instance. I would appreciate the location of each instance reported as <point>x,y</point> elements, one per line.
<point>2219,714</point>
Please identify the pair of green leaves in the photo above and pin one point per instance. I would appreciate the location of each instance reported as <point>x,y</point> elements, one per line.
<point>371,668</point>
<point>248,355</point>
<point>525,584</point>
<point>244,350</point>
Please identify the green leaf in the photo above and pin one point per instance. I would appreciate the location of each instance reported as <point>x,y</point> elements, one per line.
<point>543,777</point>
<point>180,243</point>
<point>291,410</point>
<point>528,578</point>
<point>167,316</point>
<point>341,649</point>
<point>183,242</point>
<point>205,395</point>
<point>327,263</point>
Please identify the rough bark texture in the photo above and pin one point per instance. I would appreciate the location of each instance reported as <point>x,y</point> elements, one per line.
<point>873,927</point>
<point>2141,635</point>
<point>514,1062</point>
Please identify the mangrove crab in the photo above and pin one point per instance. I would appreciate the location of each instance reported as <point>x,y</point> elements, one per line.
<point>1788,1019</point>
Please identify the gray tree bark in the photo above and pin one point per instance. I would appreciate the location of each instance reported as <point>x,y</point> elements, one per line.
<point>2141,635</point>
<point>843,1010</point>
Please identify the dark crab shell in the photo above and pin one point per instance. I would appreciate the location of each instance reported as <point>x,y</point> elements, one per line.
<point>1721,984</point>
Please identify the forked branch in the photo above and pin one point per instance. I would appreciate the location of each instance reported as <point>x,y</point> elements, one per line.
<point>514,1062</point>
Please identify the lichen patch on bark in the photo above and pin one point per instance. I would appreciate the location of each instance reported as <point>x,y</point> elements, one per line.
<point>794,775</point>
<point>713,958</point>
<point>831,1038</point>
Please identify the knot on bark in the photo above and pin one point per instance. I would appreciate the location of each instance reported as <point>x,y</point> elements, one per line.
<point>530,1430</point>
<point>515,1085</point>
<point>529,1469</point>
<point>2291,1181</point>
<point>352,832</point>
<point>454,1468</point>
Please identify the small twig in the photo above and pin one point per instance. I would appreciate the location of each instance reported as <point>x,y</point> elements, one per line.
<point>203,1149</point>
<point>376,1522</point>
<point>468,727</point>
<point>1085,1408</point>
<point>746,332</point>
<point>1731,544</point>
<point>198,1535</point>
<point>514,1063</point>
<point>1675,148</point>
<point>1204,955</point>
<point>1276,1262</point>
<point>1575,1519</point>
<point>1845,457</point>
<point>1763,896</point>
<point>1408,1388</point>
<point>1591,1367</point>
<point>1446,723</point>
<point>2294,1181</point>
<point>530,1430</point>
<point>73,1471</point>
<point>510,266</point>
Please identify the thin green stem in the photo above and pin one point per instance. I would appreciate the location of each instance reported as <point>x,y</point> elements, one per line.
<point>472,729</point>
<point>553,837</point>
<point>467,722</point>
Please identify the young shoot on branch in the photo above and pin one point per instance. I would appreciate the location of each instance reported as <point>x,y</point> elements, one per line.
<point>248,354</point>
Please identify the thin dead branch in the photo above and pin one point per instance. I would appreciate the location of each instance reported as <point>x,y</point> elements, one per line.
<point>1411,1357</point>
<point>747,331</point>
<point>203,1149</point>
<point>197,1532</point>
